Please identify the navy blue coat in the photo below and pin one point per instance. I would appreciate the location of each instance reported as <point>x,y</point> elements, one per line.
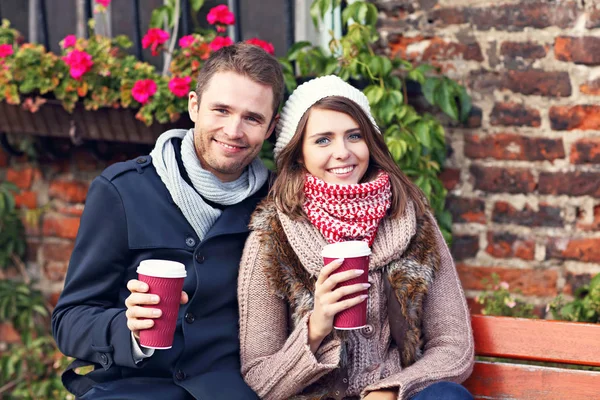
<point>129,217</point>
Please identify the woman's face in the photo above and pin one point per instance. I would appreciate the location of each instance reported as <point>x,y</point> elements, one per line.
<point>333,148</point>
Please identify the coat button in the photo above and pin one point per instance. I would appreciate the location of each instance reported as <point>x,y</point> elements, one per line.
<point>180,375</point>
<point>199,258</point>
<point>190,318</point>
<point>190,241</point>
<point>345,380</point>
<point>141,160</point>
<point>367,331</point>
<point>103,359</point>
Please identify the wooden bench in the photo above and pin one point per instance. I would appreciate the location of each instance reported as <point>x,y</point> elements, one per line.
<point>534,340</point>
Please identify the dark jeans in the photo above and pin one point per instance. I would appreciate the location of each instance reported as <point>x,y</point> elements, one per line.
<point>444,391</point>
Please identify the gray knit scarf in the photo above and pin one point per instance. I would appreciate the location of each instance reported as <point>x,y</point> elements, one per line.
<point>200,215</point>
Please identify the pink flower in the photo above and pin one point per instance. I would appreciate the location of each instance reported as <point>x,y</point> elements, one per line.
<point>154,37</point>
<point>220,15</point>
<point>266,46</point>
<point>143,89</point>
<point>180,87</point>
<point>510,302</point>
<point>504,285</point>
<point>6,50</point>
<point>69,41</point>
<point>219,42</point>
<point>103,3</point>
<point>79,63</point>
<point>186,41</point>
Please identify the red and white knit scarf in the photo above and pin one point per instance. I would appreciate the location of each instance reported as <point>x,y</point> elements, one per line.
<point>347,212</point>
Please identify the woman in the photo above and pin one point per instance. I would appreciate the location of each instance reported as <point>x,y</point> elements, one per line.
<point>337,182</point>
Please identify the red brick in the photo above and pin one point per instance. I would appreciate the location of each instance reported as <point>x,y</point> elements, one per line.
<point>57,251</point>
<point>474,118</point>
<point>506,146</point>
<point>440,50</point>
<point>505,213</point>
<point>507,245</point>
<point>70,209</point>
<point>466,210</point>
<point>514,114</point>
<point>53,299</point>
<point>538,82</point>
<point>566,118</point>
<point>31,252</point>
<point>591,87</point>
<point>23,178</point>
<point>399,47</point>
<point>575,281</point>
<point>485,82</point>
<point>8,334</point>
<point>527,50</point>
<point>595,225</point>
<point>593,19</point>
<point>586,151</point>
<point>55,271</point>
<point>535,15</point>
<point>531,282</point>
<point>72,191</point>
<point>26,200</point>
<point>579,50</point>
<point>585,249</point>
<point>450,178</point>
<point>60,226</point>
<point>3,158</point>
<point>570,183</point>
<point>474,306</point>
<point>499,180</point>
<point>464,246</point>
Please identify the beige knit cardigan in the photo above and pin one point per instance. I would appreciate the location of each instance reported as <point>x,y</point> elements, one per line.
<point>276,360</point>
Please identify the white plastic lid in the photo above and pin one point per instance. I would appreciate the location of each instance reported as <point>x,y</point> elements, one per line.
<point>162,269</point>
<point>352,248</point>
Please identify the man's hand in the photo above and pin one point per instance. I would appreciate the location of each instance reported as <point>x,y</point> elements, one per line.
<point>382,395</point>
<point>139,317</point>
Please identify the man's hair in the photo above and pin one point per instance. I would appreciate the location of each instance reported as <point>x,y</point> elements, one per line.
<point>288,188</point>
<point>247,60</point>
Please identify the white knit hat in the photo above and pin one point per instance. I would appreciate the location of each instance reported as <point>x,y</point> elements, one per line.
<point>308,94</point>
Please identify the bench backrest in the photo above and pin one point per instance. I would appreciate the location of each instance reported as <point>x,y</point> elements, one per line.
<point>534,340</point>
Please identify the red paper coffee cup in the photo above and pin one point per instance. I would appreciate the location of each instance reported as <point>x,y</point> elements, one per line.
<point>356,256</point>
<point>165,279</point>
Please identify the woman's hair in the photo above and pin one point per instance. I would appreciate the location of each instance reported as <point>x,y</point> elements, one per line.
<point>288,188</point>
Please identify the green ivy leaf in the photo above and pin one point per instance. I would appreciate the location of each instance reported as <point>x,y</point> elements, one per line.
<point>429,88</point>
<point>445,100</point>
<point>422,133</point>
<point>197,4</point>
<point>158,17</point>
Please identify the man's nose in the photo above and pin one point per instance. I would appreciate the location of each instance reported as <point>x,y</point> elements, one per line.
<point>233,127</point>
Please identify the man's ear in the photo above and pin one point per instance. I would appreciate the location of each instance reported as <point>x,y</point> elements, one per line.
<point>272,126</point>
<point>193,104</point>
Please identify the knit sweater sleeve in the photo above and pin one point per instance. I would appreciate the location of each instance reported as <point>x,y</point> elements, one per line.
<point>276,364</point>
<point>448,353</point>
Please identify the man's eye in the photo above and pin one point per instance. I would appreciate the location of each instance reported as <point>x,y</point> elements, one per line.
<point>221,110</point>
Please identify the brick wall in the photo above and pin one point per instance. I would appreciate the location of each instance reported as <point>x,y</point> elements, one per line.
<point>59,188</point>
<point>524,174</point>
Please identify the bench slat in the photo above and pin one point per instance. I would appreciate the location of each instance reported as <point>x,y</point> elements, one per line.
<point>514,381</point>
<point>530,339</point>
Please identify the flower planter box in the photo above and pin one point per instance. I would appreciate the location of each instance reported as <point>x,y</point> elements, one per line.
<point>105,124</point>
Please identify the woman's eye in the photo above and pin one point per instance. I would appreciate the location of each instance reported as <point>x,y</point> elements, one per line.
<point>322,140</point>
<point>355,136</point>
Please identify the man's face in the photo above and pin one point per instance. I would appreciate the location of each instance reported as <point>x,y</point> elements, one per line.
<point>233,120</point>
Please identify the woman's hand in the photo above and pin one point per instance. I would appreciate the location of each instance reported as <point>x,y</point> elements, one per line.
<point>138,316</point>
<point>382,395</point>
<point>327,300</point>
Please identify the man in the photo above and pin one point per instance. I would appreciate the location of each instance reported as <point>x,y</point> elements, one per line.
<point>189,201</point>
